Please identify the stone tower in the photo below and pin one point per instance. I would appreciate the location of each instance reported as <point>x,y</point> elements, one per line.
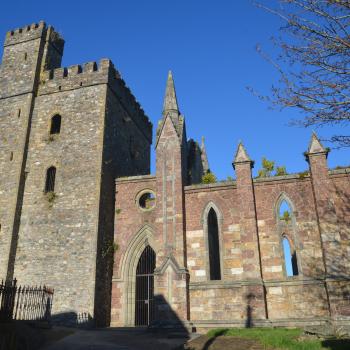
<point>27,51</point>
<point>63,237</point>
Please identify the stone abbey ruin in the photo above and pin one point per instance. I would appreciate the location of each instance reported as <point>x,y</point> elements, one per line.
<point>80,211</point>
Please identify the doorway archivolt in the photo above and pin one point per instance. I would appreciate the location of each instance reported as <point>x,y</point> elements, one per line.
<point>142,239</point>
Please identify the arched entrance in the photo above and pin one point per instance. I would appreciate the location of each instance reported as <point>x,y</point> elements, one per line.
<point>144,296</point>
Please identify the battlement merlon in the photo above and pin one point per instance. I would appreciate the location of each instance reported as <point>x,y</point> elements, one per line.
<point>35,31</point>
<point>91,73</point>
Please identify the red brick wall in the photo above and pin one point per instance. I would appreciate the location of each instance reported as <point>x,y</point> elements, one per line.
<point>226,300</point>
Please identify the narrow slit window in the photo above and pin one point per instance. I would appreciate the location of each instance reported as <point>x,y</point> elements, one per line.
<point>290,258</point>
<point>55,124</point>
<point>50,179</point>
<point>213,245</point>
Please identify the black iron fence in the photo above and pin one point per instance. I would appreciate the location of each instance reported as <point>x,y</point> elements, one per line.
<point>24,302</point>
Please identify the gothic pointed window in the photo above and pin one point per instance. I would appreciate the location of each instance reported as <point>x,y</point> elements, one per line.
<point>285,212</point>
<point>55,124</point>
<point>285,217</point>
<point>290,258</point>
<point>50,179</point>
<point>213,246</point>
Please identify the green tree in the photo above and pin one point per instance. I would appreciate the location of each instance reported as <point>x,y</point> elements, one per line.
<point>281,170</point>
<point>286,216</point>
<point>268,167</point>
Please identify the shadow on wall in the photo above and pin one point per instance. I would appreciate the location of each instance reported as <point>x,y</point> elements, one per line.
<point>72,319</point>
<point>249,315</point>
<point>336,344</point>
<point>166,319</point>
<point>248,322</point>
<point>336,220</point>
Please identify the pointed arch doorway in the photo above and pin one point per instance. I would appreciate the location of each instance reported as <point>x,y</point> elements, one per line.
<point>144,296</point>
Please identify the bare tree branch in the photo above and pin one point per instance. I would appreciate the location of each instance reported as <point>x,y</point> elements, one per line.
<point>314,44</point>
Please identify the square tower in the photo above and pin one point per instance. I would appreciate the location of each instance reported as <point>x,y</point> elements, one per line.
<point>83,128</point>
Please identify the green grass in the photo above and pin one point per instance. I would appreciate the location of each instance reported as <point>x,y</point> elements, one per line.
<point>281,338</point>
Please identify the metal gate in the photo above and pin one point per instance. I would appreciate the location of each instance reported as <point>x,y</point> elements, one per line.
<point>144,308</point>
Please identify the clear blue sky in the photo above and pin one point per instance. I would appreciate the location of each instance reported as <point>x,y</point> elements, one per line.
<point>209,46</point>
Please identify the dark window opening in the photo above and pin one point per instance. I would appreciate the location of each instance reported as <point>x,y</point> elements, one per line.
<point>11,156</point>
<point>290,258</point>
<point>295,264</point>
<point>55,124</point>
<point>25,56</point>
<point>213,245</point>
<point>19,113</point>
<point>147,200</point>
<point>50,179</point>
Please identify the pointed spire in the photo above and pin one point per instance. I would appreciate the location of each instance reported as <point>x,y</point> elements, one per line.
<point>242,156</point>
<point>204,157</point>
<point>315,145</point>
<point>170,101</point>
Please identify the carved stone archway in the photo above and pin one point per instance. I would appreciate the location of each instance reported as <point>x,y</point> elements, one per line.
<point>142,239</point>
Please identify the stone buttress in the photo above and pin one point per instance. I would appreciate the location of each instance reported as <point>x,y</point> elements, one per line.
<point>171,275</point>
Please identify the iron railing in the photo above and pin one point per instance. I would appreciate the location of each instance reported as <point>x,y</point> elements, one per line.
<point>24,302</point>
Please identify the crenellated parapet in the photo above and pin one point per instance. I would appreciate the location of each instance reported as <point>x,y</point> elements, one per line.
<point>69,78</point>
<point>92,73</point>
<point>26,33</point>
<point>34,31</point>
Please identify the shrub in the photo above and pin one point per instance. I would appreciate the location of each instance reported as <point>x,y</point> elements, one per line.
<point>281,170</point>
<point>209,178</point>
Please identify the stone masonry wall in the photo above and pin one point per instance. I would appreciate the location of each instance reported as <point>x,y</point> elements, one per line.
<point>287,297</point>
<point>64,242</point>
<point>57,241</point>
<point>126,153</point>
<point>340,290</point>
<point>129,222</point>
<point>14,114</point>
<point>25,49</point>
